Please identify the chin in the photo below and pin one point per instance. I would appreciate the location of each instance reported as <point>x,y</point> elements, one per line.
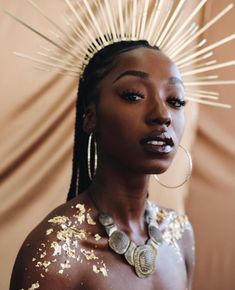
<point>159,168</point>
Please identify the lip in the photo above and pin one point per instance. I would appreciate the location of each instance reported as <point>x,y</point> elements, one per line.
<point>158,142</point>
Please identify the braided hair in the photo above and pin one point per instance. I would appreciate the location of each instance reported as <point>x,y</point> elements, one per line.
<point>97,68</point>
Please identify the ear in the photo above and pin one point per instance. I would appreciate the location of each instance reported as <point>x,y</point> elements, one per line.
<point>89,121</point>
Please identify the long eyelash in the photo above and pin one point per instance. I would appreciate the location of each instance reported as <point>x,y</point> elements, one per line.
<point>132,92</point>
<point>181,102</point>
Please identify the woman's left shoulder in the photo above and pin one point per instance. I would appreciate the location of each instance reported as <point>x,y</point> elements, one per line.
<point>177,231</point>
<point>173,225</point>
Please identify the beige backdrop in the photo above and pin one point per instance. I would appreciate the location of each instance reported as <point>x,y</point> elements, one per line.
<point>211,202</point>
<point>36,133</point>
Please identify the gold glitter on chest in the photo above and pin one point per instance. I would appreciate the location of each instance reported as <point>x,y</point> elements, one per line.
<point>66,234</point>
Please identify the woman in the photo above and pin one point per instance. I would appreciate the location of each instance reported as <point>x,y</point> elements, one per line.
<point>108,236</point>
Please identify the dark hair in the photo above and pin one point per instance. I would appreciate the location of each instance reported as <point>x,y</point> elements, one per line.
<point>97,68</point>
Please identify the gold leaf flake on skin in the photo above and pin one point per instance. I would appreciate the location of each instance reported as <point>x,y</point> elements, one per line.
<point>65,265</point>
<point>80,216</point>
<point>68,233</point>
<point>75,243</point>
<point>43,255</point>
<point>80,207</point>
<point>90,220</point>
<point>46,264</point>
<point>34,286</point>
<point>59,220</point>
<point>90,255</point>
<point>57,248</point>
<point>102,270</point>
<point>69,251</point>
<point>49,231</point>
<point>97,237</point>
<point>43,265</point>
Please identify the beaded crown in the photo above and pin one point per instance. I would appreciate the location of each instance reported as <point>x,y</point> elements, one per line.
<point>94,24</point>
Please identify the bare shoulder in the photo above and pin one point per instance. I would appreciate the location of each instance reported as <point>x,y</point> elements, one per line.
<point>52,256</point>
<point>177,231</point>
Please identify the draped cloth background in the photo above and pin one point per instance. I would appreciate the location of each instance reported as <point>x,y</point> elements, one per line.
<point>36,133</point>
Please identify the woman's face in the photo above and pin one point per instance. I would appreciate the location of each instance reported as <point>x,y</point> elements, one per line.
<point>139,117</point>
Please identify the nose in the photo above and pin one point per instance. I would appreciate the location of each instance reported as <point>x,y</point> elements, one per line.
<point>159,114</point>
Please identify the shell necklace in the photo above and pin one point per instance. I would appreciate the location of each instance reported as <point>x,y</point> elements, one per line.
<point>141,257</point>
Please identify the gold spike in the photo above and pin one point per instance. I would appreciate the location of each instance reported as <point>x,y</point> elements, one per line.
<point>212,77</point>
<point>48,63</point>
<point>208,48</point>
<point>121,20</point>
<point>203,29</point>
<point>182,57</point>
<point>163,23</point>
<point>104,18</point>
<point>80,45</point>
<point>133,22</point>
<point>65,73</point>
<point>67,36</point>
<point>210,83</point>
<point>59,60</point>
<point>201,96</point>
<point>195,60</point>
<point>150,19</point>
<point>203,65</point>
<point>187,21</point>
<point>110,19</point>
<point>153,23</point>
<point>40,34</point>
<point>170,23</point>
<point>182,38</point>
<point>96,24</point>
<point>202,92</point>
<point>209,68</point>
<point>87,34</point>
<point>210,103</point>
<point>143,23</point>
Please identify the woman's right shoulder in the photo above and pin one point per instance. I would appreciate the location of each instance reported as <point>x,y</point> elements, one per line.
<point>50,250</point>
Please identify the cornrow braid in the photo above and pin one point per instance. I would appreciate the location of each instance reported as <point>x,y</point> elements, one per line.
<point>98,67</point>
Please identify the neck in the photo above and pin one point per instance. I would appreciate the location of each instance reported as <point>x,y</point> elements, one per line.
<point>121,195</point>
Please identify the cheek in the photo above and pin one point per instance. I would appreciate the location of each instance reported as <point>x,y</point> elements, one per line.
<point>117,126</point>
<point>113,123</point>
<point>178,121</point>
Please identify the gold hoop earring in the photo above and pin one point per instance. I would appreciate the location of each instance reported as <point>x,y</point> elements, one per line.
<point>91,156</point>
<point>190,167</point>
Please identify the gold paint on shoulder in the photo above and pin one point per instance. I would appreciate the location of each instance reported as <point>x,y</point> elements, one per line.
<point>90,220</point>
<point>171,224</point>
<point>65,235</point>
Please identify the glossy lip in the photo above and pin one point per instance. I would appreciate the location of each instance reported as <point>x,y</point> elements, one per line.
<point>158,142</point>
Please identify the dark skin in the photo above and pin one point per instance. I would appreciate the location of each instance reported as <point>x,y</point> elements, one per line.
<point>141,95</point>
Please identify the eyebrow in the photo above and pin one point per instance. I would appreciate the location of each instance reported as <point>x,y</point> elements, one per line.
<point>143,75</point>
<point>175,81</point>
<point>135,73</point>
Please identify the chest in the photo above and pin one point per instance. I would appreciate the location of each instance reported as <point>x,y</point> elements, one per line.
<point>112,272</point>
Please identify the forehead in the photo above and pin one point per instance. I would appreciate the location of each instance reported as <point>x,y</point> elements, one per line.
<point>148,60</point>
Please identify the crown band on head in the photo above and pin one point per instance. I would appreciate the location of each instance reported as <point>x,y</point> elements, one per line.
<point>92,25</point>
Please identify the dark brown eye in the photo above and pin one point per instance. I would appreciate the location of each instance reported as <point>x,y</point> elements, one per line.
<point>132,96</point>
<point>176,102</point>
